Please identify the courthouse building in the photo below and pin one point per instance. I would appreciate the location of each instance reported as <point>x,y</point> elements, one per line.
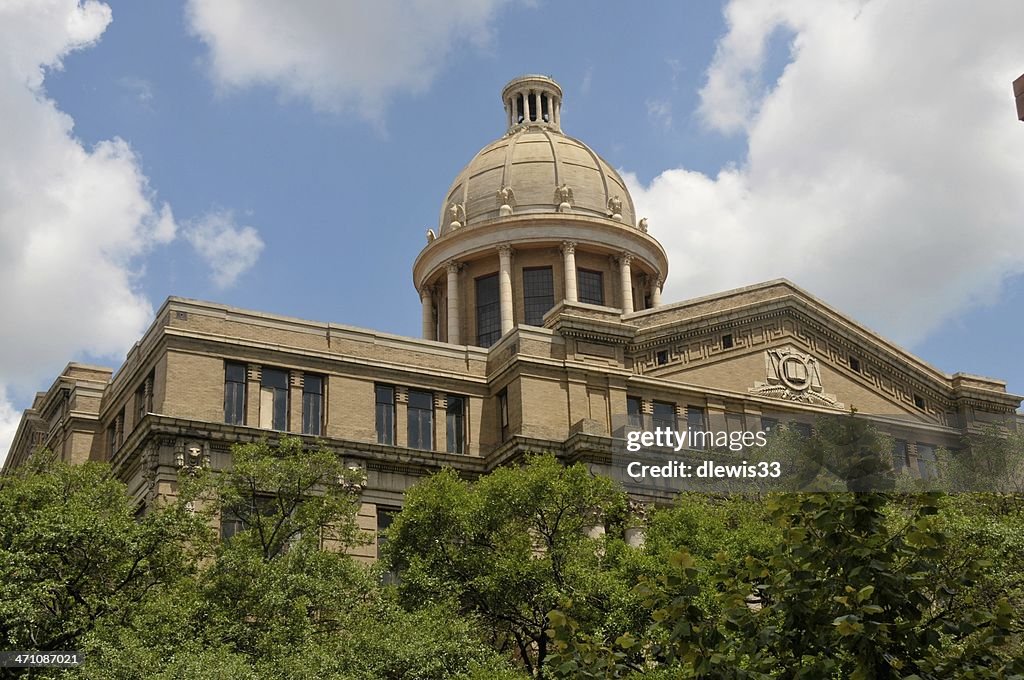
<point>543,329</point>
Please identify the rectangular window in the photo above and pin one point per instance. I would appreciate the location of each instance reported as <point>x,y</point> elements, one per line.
<point>635,413</point>
<point>488,311</point>
<point>312,404</point>
<point>695,419</point>
<point>230,525</point>
<point>734,422</point>
<point>385,517</point>
<point>664,415</point>
<point>234,394</point>
<point>144,399</point>
<point>274,399</point>
<point>927,462</point>
<point>803,429</point>
<point>855,364</point>
<point>421,420</point>
<point>769,424</point>
<point>590,286</point>
<point>503,413</point>
<point>385,414</point>
<point>456,424</point>
<point>538,294</point>
<point>899,455</point>
<point>727,342</point>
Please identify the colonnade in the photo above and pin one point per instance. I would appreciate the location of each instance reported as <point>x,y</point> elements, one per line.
<point>568,250</point>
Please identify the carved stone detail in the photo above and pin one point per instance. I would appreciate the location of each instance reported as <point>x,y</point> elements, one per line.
<point>506,201</point>
<point>191,456</point>
<point>794,376</point>
<point>456,215</point>
<point>564,199</point>
<point>615,208</point>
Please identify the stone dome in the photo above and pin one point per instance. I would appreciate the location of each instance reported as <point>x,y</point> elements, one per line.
<point>534,168</point>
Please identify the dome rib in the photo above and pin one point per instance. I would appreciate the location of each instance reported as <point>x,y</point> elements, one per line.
<point>600,168</point>
<point>557,160</point>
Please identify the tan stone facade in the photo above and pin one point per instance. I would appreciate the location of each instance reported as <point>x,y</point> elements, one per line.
<point>209,375</point>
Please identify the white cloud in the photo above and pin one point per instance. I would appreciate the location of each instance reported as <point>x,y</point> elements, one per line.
<point>884,166</point>
<point>228,249</point>
<point>72,220</point>
<point>660,111</point>
<point>338,55</point>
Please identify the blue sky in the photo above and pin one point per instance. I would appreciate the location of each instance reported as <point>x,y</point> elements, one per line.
<point>290,157</point>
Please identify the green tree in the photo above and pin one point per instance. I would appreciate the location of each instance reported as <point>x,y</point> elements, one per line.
<point>510,547</point>
<point>74,556</point>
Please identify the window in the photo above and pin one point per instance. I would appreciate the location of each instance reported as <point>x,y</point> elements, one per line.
<point>661,357</point>
<point>695,418</point>
<point>312,404</point>
<point>538,294</point>
<point>503,413</point>
<point>927,462</point>
<point>385,517</point>
<point>769,424</point>
<point>144,399</point>
<point>899,455</point>
<point>455,416</point>
<point>421,420</point>
<point>234,394</point>
<point>385,414</point>
<point>230,525</point>
<point>727,341</point>
<point>855,364</point>
<point>802,429</point>
<point>919,401</point>
<point>488,311</point>
<point>590,286</point>
<point>664,415</point>
<point>112,444</point>
<point>635,413</point>
<point>274,399</point>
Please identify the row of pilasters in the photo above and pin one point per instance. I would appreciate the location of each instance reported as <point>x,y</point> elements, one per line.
<point>505,294</point>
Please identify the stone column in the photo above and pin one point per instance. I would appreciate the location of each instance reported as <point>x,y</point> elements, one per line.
<point>440,421</point>
<point>453,303</point>
<point>656,291</point>
<point>627,282</point>
<point>505,287</point>
<point>429,327</point>
<point>569,255</point>
<point>401,416</point>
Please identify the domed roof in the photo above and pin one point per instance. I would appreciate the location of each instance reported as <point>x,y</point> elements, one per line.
<point>535,168</point>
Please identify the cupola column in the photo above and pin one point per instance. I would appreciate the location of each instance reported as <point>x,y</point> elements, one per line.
<point>569,256</point>
<point>454,323</point>
<point>505,287</point>
<point>627,282</point>
<point>427,300</point>
<point>656,292</point>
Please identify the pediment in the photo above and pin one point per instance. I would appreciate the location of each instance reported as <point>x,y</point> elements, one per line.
<point>787,347</point>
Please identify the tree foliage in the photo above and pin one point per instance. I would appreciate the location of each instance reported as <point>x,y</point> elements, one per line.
<point>509,548</point>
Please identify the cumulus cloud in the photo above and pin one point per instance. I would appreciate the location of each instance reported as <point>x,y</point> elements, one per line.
<point>73,220</point>
<point>338,55</point>
<point>227,248</point>
<point>884,165</point>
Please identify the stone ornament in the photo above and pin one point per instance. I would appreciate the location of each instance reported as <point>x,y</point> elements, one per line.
<point>615,208</point>
<point>456,215</point>
<point>794,376</point>
<point>642,225</point>
<point>506,201</point>
<point>191,458</point>
<point>430,236</point>
<point>564,199</point>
